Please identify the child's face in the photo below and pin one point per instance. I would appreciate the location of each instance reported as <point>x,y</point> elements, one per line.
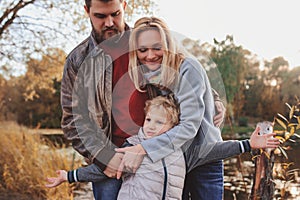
<point>156,122</point>
<point>150,51</point>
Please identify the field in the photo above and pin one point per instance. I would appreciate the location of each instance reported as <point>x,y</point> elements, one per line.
<point>25,162</point>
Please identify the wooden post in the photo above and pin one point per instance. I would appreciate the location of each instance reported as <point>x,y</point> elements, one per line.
<point>263,185</point>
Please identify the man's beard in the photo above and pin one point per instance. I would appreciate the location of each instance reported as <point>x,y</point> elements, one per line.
<point>104,35</point>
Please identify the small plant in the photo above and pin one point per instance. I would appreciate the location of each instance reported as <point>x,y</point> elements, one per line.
<point>286,128</point>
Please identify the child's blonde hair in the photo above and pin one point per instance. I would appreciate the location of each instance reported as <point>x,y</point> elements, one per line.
<point>169,104</point>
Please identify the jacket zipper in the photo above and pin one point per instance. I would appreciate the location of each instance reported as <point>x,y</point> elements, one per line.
<point>165,180</point>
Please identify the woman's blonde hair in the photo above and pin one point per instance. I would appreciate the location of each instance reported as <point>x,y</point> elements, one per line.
<point>168,103</point>
<point>172,54</point>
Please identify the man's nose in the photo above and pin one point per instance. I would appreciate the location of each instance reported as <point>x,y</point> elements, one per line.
<point>109,21</point>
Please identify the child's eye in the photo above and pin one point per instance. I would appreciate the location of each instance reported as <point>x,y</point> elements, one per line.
<point>160,122</point>
<point>148,119</point>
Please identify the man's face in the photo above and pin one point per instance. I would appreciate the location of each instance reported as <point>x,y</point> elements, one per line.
<point>107,18</point>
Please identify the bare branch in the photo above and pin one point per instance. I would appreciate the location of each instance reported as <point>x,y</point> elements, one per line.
<point>21,4</point>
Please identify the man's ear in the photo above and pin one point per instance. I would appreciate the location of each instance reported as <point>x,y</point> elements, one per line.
<point>124,5</point>
<point>86,9</point>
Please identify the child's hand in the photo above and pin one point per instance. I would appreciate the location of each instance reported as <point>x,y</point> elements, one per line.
<point>55,181</point>
<point>263,141</point>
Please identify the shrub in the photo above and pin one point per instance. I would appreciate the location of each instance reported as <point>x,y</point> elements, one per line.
<point>243,121</point>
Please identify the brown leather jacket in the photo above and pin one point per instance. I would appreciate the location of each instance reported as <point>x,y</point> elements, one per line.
<point>86,101</point>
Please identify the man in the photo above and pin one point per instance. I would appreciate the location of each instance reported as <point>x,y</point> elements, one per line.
<point>96,119</point>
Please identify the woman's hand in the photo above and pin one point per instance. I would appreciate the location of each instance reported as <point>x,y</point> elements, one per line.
<point>132,159</point>
<point>220,113</point>
<point>113,165</point>
<point>263,141</point>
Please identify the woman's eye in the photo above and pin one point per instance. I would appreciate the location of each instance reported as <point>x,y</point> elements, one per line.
<point>142,50</point>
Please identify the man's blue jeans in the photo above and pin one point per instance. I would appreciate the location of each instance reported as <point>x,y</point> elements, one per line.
<point>107,189</point>
<point>205,182</point>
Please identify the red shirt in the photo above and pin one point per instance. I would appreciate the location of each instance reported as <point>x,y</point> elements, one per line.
<point>127,103</point>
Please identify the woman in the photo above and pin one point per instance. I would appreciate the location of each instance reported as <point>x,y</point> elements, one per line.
<point>156,59</point>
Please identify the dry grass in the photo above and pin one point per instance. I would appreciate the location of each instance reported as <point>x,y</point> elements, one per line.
<point>25,162</point>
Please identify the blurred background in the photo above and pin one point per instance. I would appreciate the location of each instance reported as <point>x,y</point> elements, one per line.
<point>250,51</point>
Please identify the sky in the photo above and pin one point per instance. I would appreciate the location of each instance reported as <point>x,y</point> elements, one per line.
<point>268,28</point>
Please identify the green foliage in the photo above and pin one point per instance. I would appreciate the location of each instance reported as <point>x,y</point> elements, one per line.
<point>233,64</point>
<point>229,130</point>
<point>243,121</point>
<point>253,88</point>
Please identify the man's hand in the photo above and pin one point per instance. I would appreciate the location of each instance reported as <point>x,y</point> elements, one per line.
<point>220,113</point>
<point>263,141</point>
<point>132,159</point>
<point>56,181</point>
<point>113,165</point>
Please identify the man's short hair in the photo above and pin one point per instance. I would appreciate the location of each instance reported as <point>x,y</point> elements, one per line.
<point>88,3</point>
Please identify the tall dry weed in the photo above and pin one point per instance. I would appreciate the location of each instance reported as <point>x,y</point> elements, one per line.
<point>25,162</point>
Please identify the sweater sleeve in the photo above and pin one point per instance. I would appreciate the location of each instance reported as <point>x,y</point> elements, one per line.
<point>90,173</point>
<point>195,98</point>
<point>223,150</point>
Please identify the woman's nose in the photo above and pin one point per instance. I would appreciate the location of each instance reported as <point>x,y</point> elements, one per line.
<point>150,54</point>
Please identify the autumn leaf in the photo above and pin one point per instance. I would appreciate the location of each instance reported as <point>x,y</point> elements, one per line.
<point>282,117</point>
<point>281,139</point>
<point>281,123</point>
<point>295,134</point>
<point>279,132</point>
<point>292,110</point>
<point>288,105</point>
<point>283,152</point>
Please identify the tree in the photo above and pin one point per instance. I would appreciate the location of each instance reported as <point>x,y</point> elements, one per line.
<point>233,64</point>
<point>202,53</point>
<point>3,87</point>
<point>34,98</point>
<point>28,28</point>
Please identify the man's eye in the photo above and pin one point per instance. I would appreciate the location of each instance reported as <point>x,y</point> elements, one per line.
<point>116,13</point>
<point>100,16</point>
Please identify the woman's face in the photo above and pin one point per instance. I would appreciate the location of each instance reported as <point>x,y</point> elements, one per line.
<point>149,50</point>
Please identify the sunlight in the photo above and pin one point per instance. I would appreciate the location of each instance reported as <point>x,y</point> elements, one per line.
<point>273,82</point>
